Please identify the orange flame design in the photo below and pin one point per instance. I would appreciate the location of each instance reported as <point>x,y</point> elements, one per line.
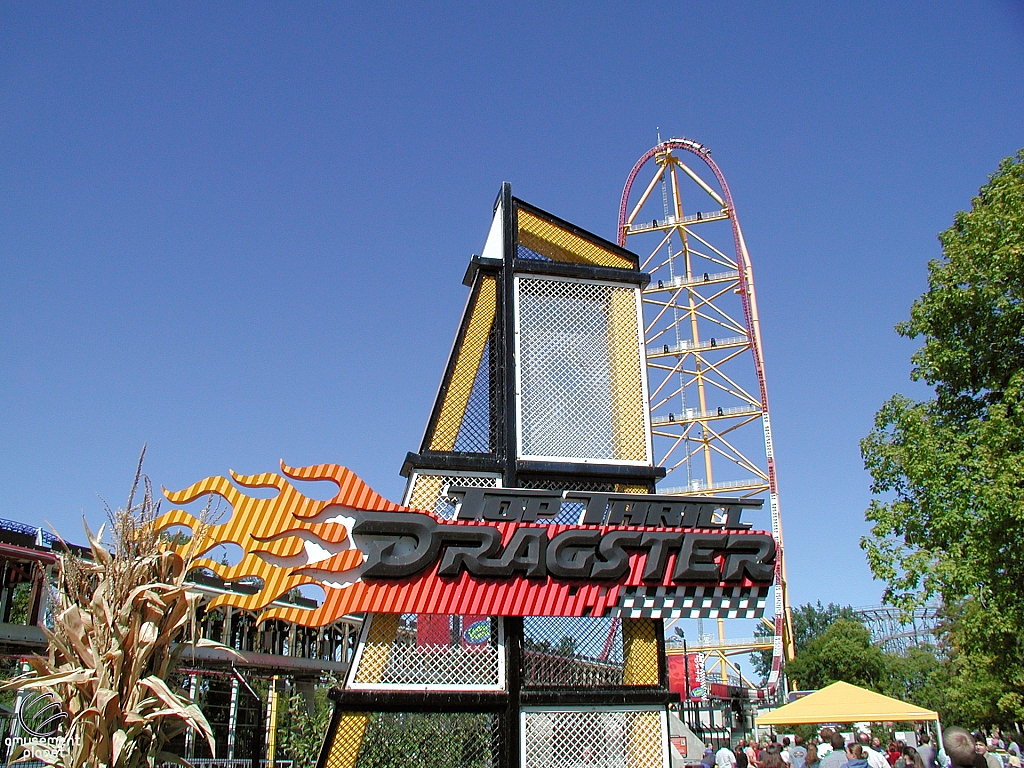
<point>289,540</point>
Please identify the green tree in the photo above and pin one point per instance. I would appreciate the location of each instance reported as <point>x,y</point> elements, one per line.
<point>809,622</point>
<point>912,676</point>
<point>301,729</point>
<point>948,472</point>
<point>962,690</point>
<point>842,652</point>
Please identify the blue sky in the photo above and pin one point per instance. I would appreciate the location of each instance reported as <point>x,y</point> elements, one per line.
<point>236,232</point>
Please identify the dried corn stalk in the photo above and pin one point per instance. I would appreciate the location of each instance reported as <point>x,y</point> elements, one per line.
<point>121,623</point>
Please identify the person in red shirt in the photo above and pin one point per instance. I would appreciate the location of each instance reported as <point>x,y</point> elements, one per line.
<point>893,753</point>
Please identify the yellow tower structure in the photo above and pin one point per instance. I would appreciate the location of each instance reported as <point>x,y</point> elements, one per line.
<point>705,361</point>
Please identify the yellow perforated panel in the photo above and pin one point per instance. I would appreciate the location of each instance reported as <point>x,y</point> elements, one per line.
<point>453,409</point>
<point>639,652</point>
<point>348,740</point>
<point>628,406</point>
<point>631,489</point>
<point>377,647</point>
<point>557,244</point>
<point>426,490</point>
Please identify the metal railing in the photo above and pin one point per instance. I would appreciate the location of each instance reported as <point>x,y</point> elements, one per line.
<point>694,218</point>
<point>43,537</point>
<point>701,485</point>
<point>674,646</point>
<point>699,279</point>
<point>687,345</point>
<point>696,414</point>
<point>213,762</point>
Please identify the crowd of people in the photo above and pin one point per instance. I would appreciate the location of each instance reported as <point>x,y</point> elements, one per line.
<point>830,749</point>
<point>979,750</point>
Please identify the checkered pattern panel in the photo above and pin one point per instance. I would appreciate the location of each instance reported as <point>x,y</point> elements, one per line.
<point>692,602</point>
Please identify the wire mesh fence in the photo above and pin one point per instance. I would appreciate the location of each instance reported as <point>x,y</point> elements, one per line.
<point>439,651</point>
<point>581,380</point>
<point>468,417</point>
<point>594,738</point>
<point>478,430</point>
<point>426,490</point>
<point>589,653</point>
<point>415,740</point>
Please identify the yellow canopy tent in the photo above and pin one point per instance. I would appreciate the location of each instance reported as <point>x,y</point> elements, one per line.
<point>845,703</point>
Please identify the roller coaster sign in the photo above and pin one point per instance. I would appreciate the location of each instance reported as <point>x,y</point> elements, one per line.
<point>505,552</point>
<point>477,541</point>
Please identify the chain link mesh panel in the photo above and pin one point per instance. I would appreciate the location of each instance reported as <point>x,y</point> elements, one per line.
<point>477,433</point>
<point>472,360</point>
<point>415,740</point>
<point>594,738</point>
<point>425,491</point>
<point>581,379</point>
<point>542,239</point>
<point>442,652</point>
<point>589,652</point>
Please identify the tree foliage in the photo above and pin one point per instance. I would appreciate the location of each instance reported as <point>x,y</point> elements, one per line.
<point>948,472</point>
<point>842,652</point>
<point>809,622</point>
<point>301,727</point>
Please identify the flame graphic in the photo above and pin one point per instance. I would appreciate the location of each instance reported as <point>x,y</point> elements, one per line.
<point>289,540</point>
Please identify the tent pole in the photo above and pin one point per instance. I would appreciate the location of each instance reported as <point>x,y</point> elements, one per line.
<point>938,738</point>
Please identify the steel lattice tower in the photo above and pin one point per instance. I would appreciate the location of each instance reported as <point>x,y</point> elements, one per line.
<point>705,363</point>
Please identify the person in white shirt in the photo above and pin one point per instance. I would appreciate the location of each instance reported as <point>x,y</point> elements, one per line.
<point>837,757</point>
<point>724,758</point>
<point>875,759</point>
<point>824,742</point>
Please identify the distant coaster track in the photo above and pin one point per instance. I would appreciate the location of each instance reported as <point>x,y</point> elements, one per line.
<point>896,631</point>
<point>696,344</point>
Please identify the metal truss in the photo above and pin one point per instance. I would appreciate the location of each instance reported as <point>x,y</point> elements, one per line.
<point>708,394</point>
<point>897,632</point>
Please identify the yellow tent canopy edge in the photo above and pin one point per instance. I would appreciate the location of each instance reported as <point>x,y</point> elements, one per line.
<point>845,703</point>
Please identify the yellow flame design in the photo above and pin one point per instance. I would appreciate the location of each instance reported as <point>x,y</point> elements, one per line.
<point>288,540</point>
